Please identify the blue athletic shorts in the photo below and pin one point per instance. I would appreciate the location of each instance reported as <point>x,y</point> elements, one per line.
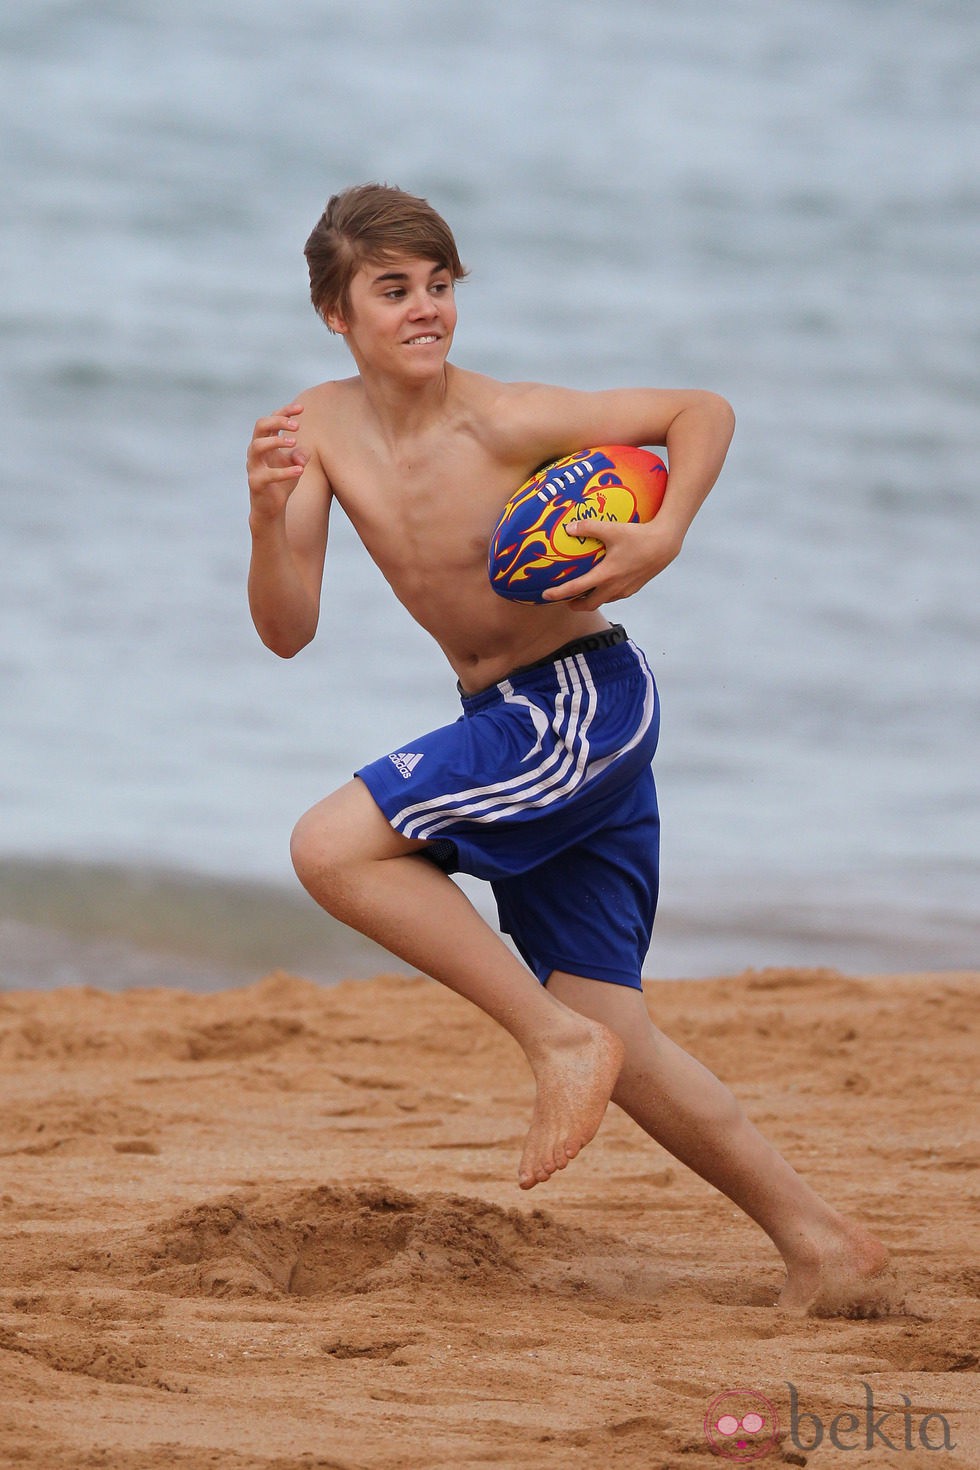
<point>543,786</point>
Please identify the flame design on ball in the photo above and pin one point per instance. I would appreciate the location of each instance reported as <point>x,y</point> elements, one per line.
<point>530,549</point>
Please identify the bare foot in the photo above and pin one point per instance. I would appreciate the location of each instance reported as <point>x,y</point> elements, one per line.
<point>846,1275</point>
<point>575,1079</point>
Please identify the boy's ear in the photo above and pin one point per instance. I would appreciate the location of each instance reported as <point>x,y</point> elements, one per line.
<point>337,323</point>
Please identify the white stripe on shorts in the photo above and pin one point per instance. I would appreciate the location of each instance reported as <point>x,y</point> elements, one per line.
<point>547,791</point>
<point>574,753</point>
<point>570,725</point>
<point>646,719</point>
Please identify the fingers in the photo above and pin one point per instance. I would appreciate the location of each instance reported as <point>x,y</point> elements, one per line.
<point>262,474</point>
<point>580,589</point>
<point>583,592</point>
<point>632,555</point>
<point>581,596</point>
<point>273,462</point>
<point>274,444</point>
<point>272,454</point>
<point>284,420</point>
<point>276,430</point>
<point>269,475</point>
<point>608,532</point>
<point>279,420</point>
<point>593,588</point>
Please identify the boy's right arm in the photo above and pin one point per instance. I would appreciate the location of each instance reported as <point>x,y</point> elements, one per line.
<point>290,508</point>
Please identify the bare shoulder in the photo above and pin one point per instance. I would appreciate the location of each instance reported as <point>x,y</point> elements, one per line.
<point>527,423</point>
<point>331,424</point>
<point>514,419</point>
<point>505,397</point>
<point>326,401</point>
<point>528,407</point>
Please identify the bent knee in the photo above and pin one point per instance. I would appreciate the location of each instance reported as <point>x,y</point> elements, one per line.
<point>323,841</point>
<point>339,833</point>
<point>307,846</point>
<point>303,853</point>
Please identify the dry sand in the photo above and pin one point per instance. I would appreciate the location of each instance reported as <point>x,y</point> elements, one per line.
<point>279,1227</point>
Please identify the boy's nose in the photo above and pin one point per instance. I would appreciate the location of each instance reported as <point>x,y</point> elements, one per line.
<point>422,305</point>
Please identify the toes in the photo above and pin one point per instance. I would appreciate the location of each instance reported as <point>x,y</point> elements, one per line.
<point>528,1178</point>
<point>538,1172</point>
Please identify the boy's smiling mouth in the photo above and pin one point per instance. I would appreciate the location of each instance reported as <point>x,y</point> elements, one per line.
<point>422,339</point>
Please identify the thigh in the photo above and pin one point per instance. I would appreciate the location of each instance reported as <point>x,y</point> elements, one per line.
<point>349,825</point>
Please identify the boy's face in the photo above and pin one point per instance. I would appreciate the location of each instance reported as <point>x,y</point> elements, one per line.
<point>402,316</point>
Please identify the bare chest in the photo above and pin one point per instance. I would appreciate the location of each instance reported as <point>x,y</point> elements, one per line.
<point>427,506</point>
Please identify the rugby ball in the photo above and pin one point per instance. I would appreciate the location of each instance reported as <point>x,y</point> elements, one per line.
<point>530,550</point>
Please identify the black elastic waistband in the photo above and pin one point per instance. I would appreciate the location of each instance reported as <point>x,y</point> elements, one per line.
<point>590,643</point>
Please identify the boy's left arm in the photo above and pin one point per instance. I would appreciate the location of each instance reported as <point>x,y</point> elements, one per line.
<point>695,428</point>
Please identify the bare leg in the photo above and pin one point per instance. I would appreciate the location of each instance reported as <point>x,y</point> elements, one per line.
<point>831,1263</point>
<point>357,867</point>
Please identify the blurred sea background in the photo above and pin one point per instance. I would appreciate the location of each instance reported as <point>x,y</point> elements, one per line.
<point>779,202</point>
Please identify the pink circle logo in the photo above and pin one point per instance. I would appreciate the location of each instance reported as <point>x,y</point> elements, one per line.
<point>741,1424</point>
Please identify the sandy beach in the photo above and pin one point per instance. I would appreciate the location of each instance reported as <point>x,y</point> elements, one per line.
<point>279,1226</point>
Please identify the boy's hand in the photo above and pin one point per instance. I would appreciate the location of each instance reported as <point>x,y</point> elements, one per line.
<point>274,463</point>
<point>634,554</point>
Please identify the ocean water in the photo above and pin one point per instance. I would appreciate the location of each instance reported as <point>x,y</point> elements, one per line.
<point>777,202</point>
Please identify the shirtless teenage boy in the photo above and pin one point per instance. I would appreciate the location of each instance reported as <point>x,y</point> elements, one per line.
<point>544,785</point>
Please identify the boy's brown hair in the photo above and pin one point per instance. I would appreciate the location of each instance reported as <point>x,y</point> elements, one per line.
<point>372,222</point>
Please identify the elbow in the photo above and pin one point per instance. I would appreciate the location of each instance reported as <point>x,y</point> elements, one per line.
<point>708,416</point>
<point>284,630</point>
<point>723,412</point>
<point>285,642</point>
<point>287,647</point>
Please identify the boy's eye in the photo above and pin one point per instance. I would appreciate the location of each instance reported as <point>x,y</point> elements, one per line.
<point>397,293</point>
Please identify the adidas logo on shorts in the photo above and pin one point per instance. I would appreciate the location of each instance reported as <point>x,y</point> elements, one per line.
<point>405,762</point>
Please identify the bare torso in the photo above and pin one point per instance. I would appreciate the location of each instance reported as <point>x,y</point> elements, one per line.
<point>425,508</point>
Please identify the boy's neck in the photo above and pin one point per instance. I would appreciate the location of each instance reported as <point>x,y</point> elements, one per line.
<point>405,410</point>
